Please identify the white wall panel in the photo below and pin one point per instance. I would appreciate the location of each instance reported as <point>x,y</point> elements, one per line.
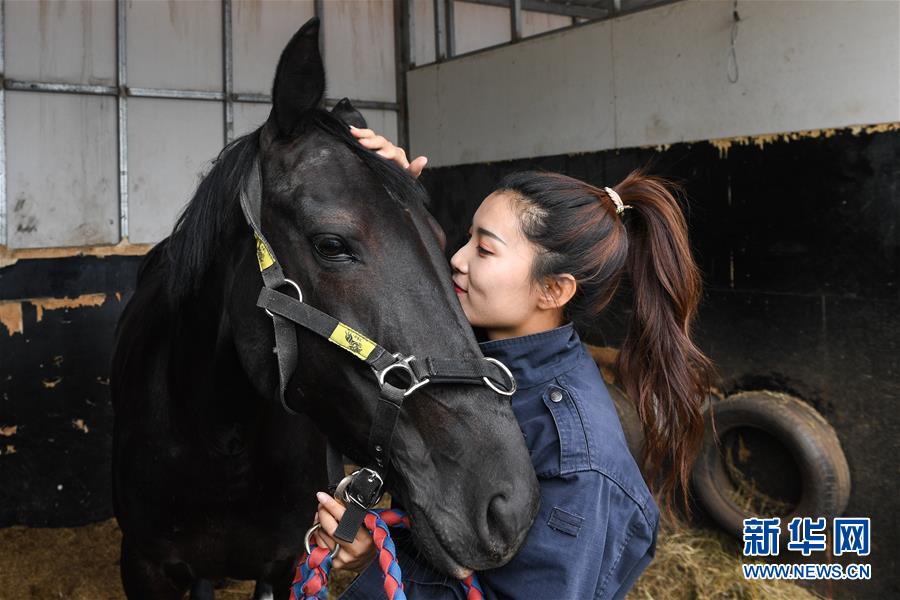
<point>479,26</point>
<point>172,45</point>
<point>62,180</point>
<point>175,44</point>
<point>424,31</point>
<point>359,49</point>
<point>526,99</point>
<point>249,115</point>
<point>658,77</point>
<point>170,144</point>
<point>261,30</point>
<point>534,23</point>
<point>802,65</point>
<point>61,42</point>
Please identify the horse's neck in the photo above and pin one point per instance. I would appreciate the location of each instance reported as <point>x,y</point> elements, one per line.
<point>204,364</point>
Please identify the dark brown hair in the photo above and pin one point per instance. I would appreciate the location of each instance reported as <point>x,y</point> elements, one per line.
<point>577,231</point>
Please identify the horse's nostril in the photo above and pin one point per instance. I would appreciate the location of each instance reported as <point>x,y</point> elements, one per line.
<point>501,523</point>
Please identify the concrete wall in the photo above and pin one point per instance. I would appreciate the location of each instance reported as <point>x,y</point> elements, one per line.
<point>62,185</point>
<point>659,77</point>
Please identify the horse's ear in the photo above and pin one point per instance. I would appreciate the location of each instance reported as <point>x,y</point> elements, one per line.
<point>299,79</point>
<point>344,111</point>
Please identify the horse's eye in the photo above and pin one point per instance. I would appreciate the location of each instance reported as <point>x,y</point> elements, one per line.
<point>331,248</point>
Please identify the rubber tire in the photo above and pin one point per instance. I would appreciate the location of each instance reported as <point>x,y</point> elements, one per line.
<point>813,443</point>
<point>628,417</point>
<point>631,422</point>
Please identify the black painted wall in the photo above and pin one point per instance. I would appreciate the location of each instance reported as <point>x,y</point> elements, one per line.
<point>54,389</point>
<point>799,242</point>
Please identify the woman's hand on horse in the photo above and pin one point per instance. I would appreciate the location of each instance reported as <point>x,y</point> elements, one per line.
<point>384,147</point>
<point>354,557</point>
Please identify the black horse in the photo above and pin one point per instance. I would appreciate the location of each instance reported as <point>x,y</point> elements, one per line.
<point>211,477</point>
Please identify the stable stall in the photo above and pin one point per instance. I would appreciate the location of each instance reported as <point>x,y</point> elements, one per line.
<point>780,119</point>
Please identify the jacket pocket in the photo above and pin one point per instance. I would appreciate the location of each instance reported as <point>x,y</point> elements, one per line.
<point>565,522</point>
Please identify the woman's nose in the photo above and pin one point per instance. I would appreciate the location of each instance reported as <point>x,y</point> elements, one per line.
<point>457,264</point>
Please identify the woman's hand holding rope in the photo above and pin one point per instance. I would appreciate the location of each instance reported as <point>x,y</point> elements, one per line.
<point>353,557</point>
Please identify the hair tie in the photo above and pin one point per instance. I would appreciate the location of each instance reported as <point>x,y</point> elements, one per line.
<point>620,208</point>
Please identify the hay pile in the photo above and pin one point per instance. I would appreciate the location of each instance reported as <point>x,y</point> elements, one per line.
<point>689,564</point>
<point>82,564</point>
<point>699,563</point>
<point>78,562</point>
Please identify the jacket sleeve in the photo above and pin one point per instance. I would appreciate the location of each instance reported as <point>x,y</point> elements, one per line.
<point>638,549</point>
<point>589,540</point>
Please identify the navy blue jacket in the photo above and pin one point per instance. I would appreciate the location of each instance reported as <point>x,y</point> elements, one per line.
<point>595,531</point>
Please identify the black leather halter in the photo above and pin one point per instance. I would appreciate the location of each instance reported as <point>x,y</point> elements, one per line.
<point>363,489</point>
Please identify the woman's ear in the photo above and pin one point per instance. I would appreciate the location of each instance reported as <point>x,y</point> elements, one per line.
<point>557,291</point>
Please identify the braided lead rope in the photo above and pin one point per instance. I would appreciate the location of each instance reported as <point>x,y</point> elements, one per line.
<point>377,524</point>
<point>311,579</point>
<point>473,588</point>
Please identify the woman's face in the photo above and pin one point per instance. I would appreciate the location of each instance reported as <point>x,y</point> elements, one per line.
<point>492,272</point>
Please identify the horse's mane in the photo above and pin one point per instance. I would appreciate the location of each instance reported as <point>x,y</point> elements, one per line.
<point>212,217</point>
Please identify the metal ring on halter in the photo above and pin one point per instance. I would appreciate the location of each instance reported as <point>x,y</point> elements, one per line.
<point>416,386</point>
<point>403,363</point>
<point>296,287</point>
<point>506,370</point>
<point>312,530</point>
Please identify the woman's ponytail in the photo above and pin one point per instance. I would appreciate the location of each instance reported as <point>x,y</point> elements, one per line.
<point>663,371</point>
<point>639,230</point>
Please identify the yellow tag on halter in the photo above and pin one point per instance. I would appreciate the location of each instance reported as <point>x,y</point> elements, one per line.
<point>263,257</point>
<point>351,340</point>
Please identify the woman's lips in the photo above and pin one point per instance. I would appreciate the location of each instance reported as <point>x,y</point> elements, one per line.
<point>458,289</point>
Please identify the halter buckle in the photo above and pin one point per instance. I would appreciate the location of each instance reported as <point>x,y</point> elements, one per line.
<point>372,488</point>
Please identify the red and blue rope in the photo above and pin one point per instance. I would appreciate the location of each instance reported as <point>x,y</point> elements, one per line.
<point>311,578</point>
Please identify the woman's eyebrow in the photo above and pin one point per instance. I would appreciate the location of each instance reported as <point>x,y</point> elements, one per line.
<point>490,234</point>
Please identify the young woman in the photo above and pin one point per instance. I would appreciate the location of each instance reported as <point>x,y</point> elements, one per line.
<point>545,255</point>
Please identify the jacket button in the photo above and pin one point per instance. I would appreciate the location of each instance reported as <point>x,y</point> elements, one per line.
<point>555,396</point>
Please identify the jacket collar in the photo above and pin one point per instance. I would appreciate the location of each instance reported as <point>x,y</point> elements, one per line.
<point>536,358</point>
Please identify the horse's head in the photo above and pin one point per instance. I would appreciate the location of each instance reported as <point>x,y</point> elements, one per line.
<point>352,230</point>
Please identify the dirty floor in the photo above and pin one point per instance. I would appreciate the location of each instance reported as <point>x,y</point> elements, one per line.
<point>82,564</point>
